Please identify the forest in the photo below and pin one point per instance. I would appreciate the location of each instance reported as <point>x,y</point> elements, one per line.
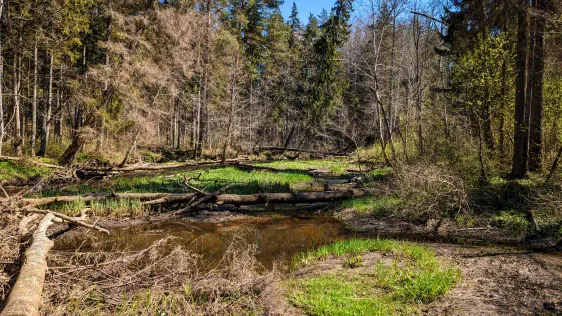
<point>221,157</point>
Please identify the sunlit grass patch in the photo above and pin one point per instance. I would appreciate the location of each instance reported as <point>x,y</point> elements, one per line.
<point>512,221</point>
<point>335,166</point>
<point>371,205</point>
<point>358,246</point>
<point>19,169</point>
<point>117,208</point>
<point>414,277</point>
<point>211,180</point>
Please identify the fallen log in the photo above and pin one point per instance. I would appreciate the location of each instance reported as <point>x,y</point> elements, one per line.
<point>93,197</point>
<point>25,297</point>
<point>289,198</point>
<point>283,149</point>
<point>233,199</point>
<point>202,200</point>
<point>74,220</point>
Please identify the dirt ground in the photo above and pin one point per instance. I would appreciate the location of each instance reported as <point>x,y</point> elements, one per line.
<point>501,281</point>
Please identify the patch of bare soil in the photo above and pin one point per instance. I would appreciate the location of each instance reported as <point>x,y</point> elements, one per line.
<point>500,281</point>
<point>336,265</point>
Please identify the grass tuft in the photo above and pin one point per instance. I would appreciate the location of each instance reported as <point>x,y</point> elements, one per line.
<point>414,277</point>
<point>19,169</point>
<point>371,205</point>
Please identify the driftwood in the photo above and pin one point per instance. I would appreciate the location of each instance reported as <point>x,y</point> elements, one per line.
<point>25,297</point>
<point>74,220</point>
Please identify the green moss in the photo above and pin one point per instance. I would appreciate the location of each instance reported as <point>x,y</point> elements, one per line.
<point>395,289</point>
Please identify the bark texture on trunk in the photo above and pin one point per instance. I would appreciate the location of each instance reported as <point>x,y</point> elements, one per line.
<point>25,297</point>
<point>538,55</point>
<point>519,164</point>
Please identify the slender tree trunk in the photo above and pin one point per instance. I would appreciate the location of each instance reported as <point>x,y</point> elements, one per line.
<point>418,75</point>
<point>554,165</point>
<point>34,100</point>
<point>233,83</point>
<point>133,146</point>
<point>46,122</point>
<point>2,127</point>
<point>519,163</point>
<point>538,55</point>
<point>58,120</point>
<point>502,112</point>
<point>445,101</point>
<point>17,121</point>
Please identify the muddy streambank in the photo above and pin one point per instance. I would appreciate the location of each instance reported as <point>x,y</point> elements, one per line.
<point>495,279</point>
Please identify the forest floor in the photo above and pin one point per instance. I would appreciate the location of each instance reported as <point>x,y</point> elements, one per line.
<point>487,261</point>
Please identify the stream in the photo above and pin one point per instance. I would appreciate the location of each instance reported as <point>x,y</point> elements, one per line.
<point>277,237</point>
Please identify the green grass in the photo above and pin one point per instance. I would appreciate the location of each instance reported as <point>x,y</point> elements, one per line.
<point>370,205</point>
<point>358,246</point>
<point>335,166</point>
<point>20,169</point>
<point>414,277</point>
<point>243,182</point>
<point>514,222</point>
<point>117,208</point>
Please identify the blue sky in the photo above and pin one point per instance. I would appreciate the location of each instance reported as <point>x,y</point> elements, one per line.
<point>306,7</point>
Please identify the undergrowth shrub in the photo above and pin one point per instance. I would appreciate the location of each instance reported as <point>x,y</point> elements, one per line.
<point>430,191</point>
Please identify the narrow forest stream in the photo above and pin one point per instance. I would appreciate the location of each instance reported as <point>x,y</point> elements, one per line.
<point>277,237</point>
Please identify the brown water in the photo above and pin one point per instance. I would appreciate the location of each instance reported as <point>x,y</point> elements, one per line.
<point>277,238</point>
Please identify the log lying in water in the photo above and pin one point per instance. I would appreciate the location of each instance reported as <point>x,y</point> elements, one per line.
<point>25,297</point>
<point>288,198</point>
<point>232,199</point>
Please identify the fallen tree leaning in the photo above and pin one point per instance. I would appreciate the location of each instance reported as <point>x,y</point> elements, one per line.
<point>25,297</point>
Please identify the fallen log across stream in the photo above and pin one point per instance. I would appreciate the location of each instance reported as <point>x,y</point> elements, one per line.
<point>232,199</point>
